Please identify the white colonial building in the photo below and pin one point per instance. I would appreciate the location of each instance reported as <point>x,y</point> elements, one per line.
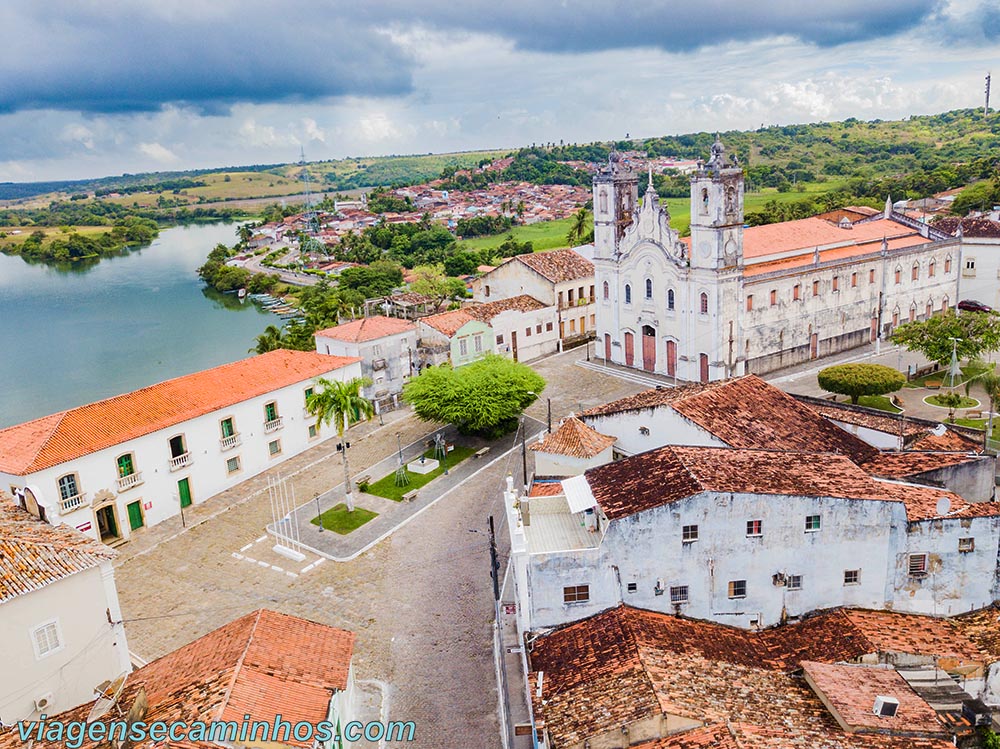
<point>59,615</point>
<point>112,467</point>
<point>731,300</point>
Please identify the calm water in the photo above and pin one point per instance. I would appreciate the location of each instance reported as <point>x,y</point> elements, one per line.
<point>73,336</point>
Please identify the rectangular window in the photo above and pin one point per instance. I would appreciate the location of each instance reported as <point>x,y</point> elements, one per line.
<point>749,302</point>
<point>917,565</point>
<point>836,283</point>
<point>308,395</point>
<point>815,288</point>
<point>500,339</point>
<point>813,523</point>
<point>737,588</point>
<point>271,411</point>
<point>47,639</point>
<point>755,527</point>
<point>970,267</point>
<point>679,594</point>
<point>538,328</point>
<point>689,533</point>
<point>576,594</point>
<point>795,582</point>
<point>227,428</point>
<point>966,545</point>
<point>632,587</point>
<point>274,447</point>
<point>871,275</point>
<point>915,275</point>
<point>233,464</point>
<point>548,327</point>
<point>852,577</point>
<point>477,344</point>
<point>797,292</point>
<point>854,280</point>
<point>774,297</point>
<point>572,326</point>
<point>527,332</point>
<point>312,431</point>
<point>463,347</point>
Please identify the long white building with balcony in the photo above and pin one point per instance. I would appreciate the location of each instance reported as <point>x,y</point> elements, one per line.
<point>113,467</point>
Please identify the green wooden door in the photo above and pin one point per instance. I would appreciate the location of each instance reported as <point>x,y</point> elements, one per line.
<point>134,514</point>
<point>184,491</point>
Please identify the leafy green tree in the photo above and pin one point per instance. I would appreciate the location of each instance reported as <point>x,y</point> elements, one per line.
<point>484,398</point>
<point>431,281</point>
<point>976,333</point>
<point>339,402</point>
<point>952,400</point>
<point>270,340</point>
<point>856,380</point>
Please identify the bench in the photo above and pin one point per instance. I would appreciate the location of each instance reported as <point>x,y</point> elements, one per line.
<point>933,384</point>
<point>409,496</point>
<point>973,414</point>
<point>481,452</point>
<point>362,480</point>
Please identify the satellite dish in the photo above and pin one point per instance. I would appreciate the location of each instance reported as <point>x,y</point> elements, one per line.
<point>108,693</point>
<point>939,430</point>
<point>943,506</point>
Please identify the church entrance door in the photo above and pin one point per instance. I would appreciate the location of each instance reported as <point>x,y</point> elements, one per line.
<point>672,358</point>
<point>703,360</point>
<point>648,348</point>
<point>607,347</point>
<point>629,349</point>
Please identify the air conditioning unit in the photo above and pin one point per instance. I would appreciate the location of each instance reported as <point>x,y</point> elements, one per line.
<point>885,707</point>
<point>43,702</point>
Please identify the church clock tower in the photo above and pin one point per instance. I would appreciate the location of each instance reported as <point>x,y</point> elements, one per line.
<point>616,197</point>
<point>717,212</point>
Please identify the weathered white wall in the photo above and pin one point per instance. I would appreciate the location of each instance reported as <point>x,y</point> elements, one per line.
<point>93,650</point>
<point>511,279</point>
<point>543,325</point>
<point>551,464</point>
<point>399,351</point>
<point>981,282</point>
<point>666,427</point>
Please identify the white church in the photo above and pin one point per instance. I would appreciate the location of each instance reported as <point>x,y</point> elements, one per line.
<point>732,300</point>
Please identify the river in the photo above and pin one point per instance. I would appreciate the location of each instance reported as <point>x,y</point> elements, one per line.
<point>71,336</point>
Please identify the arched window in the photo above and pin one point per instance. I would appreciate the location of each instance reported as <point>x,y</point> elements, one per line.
<point>670,299</point>
<point>930,269</point>
<point>704,200</point>
<point>606,290</point>
<point>913,312</point>
<point>604,201</point>
<point>649,288</point>
<point>944,302</point>
<point>947,264</point>
<point>899,274</point>
<point>704,303</point>
<point>915,273</point>
<point>628,293</point>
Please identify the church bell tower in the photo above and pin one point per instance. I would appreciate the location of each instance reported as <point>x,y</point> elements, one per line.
<point>717,212</point>
<point>616,197</point>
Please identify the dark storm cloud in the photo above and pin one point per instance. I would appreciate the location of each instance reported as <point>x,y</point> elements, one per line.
<point>134,55</point>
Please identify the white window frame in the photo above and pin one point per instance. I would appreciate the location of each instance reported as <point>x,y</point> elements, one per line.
<point>794,582</point>
<point>819,526</point>
<point>60,642</point>
<point>760,528</point>
<point>857,577</point>
<point>680,594</point>
<point>731,589</point>
<point>239,465</point>
<point>689,536</point>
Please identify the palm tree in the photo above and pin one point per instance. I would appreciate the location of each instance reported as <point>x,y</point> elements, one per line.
<point>337,402</point>
<point>269,340</point>
<point>244,232</point>
<point>581,225</point>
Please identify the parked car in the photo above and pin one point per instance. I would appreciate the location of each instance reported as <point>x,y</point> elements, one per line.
<point>971,305</point>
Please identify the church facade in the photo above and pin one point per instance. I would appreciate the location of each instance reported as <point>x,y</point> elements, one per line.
<point>731,300</point>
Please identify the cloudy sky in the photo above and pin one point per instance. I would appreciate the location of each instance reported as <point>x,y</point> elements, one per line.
<point>99,87</point>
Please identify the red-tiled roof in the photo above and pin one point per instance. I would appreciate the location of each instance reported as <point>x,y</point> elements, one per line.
<point>447,323</point>
<point>971,227</point>
<point>898,465</point>
<point>367,329</point>
<point>809,233</point>
<point>749,413</point>
<point>34,554</point>
<point>557,265</point>
<point>55,439</point>
<point>850,692</point>
<point>921,502</point>
<point>486,312</point>
<point>262,664</point>
<point>575,439</point>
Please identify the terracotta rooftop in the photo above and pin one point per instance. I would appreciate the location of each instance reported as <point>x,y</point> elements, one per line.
<point>982,628</point>
<point>574,439</point>
<point>486,312</point>
<point>557,265</point>
<point>448,323</point>
<point>844,252</point>
<point>51,440</point>
<point>850,692</point>
<point>900,465</point>
<point>747,412</point>
<point>262,664</point>
<point>626,664</point>
<point>34,554</point>
<point>971,227</point>
<point>367,329</point>
<point>809,233</point>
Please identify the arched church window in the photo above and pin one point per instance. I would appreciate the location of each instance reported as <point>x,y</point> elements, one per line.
<point>704,303</point>
<point>606,290</point>
<point>730,199</point>
<point>604,201</point>
<point>628,293</point>
<point>704,200</point>
<point>670,299</point>
<point>649,288</point>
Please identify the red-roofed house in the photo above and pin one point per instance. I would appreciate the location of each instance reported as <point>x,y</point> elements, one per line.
<point>112,467</point>
<point>732,300</point>
<point>454,336</point>
<point>387,347</point>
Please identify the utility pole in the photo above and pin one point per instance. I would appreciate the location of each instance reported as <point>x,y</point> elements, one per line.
<point>524,456</point>
<point>986,109</point>
<point>494,564</point>
<point>550,413</point>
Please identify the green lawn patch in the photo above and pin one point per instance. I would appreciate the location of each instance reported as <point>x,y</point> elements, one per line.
<point>969,371</point>
<point>386,486</point>
<point>339,520</point>
<point>881,402</point>
<point>544,235</point>
<point>935,400</point>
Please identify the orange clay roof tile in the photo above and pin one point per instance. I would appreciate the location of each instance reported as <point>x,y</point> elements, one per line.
<point>367,329</point>
<point>574,439</point>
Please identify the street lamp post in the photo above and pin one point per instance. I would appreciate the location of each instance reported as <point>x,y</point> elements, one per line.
<point>954,359</point>
<point>319,514</point>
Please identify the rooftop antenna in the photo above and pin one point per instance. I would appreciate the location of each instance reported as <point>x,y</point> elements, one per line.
<point>307,191</point>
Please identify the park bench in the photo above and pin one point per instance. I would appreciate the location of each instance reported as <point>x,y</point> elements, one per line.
<point>933,384</point>
<point>361,480</point>
<point>973,414</point>
<point>409,496</point>
<point>481,452</point>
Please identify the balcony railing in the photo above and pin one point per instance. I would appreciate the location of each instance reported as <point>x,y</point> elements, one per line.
<point>178,462</point>
<point>228,443</point>
<point>68,504</point>
<point>273,425</point>
<point>127,482</point>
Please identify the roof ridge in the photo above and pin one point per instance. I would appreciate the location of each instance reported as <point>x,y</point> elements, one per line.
<point>51,435</point>
<point>224,702</point>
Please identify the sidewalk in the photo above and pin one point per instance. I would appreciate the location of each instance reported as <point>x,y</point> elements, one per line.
<point>392,514</point>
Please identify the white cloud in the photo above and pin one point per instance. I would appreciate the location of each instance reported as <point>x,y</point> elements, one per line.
<point>158,153</point>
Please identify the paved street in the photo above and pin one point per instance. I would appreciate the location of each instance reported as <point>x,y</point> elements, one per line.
<point>420,601</point>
